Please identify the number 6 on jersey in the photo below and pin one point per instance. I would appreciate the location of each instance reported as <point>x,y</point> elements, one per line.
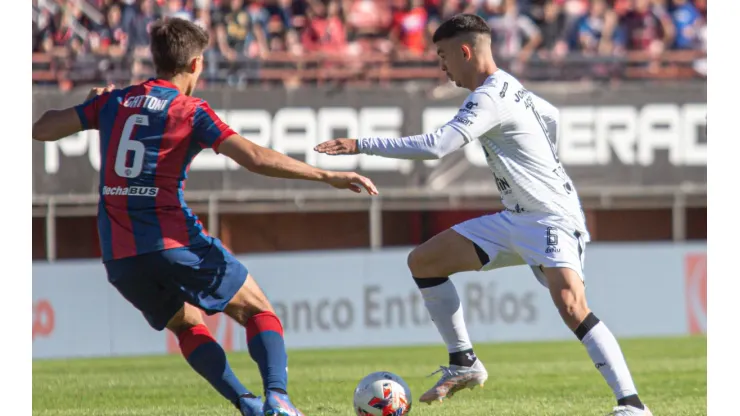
<point>127,145</point>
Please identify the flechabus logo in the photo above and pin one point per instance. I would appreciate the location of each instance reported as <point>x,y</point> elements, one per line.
<point>221,327</point>
<point>695,271</point>
<point>147,191</point>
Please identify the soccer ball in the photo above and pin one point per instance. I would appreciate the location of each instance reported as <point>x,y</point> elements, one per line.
<point>382,394</point>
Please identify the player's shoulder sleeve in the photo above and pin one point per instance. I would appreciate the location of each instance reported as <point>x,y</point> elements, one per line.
<point>208,128</point>
<point>89,111</point>
<point>477,115</point>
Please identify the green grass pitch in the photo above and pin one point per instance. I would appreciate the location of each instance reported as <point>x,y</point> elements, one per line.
<point>525,379</point>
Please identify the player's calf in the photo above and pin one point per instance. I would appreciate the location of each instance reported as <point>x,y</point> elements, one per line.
<point>568,293</point>
<point>253,311</point>
<point>208,358</point>
<point>430,265</point>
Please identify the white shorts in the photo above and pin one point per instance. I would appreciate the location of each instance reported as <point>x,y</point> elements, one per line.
<point>536,239</point>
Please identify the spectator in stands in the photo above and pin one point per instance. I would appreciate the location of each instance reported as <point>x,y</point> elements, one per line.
<point>408,31</point>
<point>144,14</point>
<point>516,36</point>
<point>700,65</point>
<point>554,28</point>
<point>647,28</point>
<point>244,32</point>
<point>111,39</point>
<point>325,31</point>
<point>259,14</point>
<point>367,21</point>
<point>598,32</point>
<point>688,23</point>
<point>280,10</point>
<point>238,38</point>
<point>64,35</point>
<point>177,8</point>
<point>281,37</point>
<point>202,18</point>
<point>277,34</point>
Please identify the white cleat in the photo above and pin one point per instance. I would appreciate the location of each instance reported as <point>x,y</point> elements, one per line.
<point>455,378</point>
<point>630,411</point>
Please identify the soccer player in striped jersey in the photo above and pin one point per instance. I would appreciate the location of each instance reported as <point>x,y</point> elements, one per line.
<point>154,248</point>
<point>542,226</point>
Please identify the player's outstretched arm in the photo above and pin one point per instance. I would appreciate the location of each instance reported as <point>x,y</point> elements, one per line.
<point>476,117</point>
<point>268,162</point>
<point>58,124</point>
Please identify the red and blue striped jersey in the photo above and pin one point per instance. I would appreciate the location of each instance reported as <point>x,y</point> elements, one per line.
<point>149,134</point>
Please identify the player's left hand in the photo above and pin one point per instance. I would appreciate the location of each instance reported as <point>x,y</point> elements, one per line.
<point>99,91</point>
<point>352,181</point>
<point>338,147</point>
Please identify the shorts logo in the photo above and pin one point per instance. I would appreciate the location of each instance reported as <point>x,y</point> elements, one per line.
<point>148,191</point>
<point>552,240</point>
<point>695,273</point>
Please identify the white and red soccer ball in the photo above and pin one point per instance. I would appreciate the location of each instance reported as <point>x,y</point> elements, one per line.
<point>382,394</point>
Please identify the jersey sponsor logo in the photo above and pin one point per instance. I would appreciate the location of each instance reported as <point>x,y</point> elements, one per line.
<point>463,120</point>
<point>471,105</point>
<point>146,191</point>
<point>146,101</point>
<point>502,94</point>
<point>502,185</point>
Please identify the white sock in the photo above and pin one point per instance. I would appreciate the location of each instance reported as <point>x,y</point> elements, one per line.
<point>446,311</point>
<point>604,351</point>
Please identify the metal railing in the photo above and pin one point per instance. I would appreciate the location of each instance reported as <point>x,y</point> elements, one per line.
<point>483,197</point>
<point>282,68</point>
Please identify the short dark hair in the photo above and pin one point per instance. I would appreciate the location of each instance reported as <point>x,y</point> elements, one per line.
<point>174,42</point>
<point>461,24</point>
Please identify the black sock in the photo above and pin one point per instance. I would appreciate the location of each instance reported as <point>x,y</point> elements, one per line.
<point>425,282</point>
<point>588,323</point>
<point>632,400</point>
<point>463,358</point>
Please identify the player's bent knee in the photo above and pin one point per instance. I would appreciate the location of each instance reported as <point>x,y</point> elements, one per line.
<point>248,301</point>
<point>425,262</point>
<point>444,254</point>
<point>416,261</point>
<point>187,317</point>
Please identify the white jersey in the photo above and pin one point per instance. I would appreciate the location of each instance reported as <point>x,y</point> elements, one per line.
<point>518,132</point>
<point>520,144</point>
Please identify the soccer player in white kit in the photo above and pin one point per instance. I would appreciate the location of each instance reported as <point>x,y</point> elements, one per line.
<point>542,226</point>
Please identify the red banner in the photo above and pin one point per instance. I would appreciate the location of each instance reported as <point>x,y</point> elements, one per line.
<point>43,319</point>
<point>695,271</point>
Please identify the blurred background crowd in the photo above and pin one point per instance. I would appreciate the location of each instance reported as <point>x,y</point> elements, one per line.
<point>293,42</point>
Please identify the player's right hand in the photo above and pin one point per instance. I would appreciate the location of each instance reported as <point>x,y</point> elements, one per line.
<point>98,91</point>
<point>352,181</point>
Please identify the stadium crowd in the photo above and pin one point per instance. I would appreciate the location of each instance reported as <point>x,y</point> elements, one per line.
<point>110,34</point>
